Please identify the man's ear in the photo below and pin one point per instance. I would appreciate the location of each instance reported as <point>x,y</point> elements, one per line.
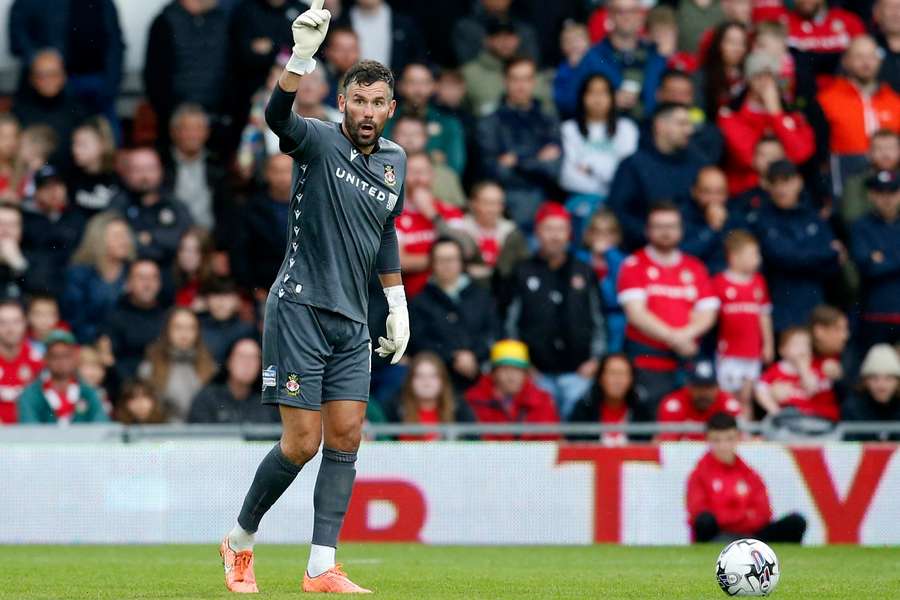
<point>393,107</point>
<point>342,102</point>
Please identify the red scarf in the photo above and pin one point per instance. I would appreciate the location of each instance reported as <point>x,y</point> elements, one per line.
<point>63,406</point>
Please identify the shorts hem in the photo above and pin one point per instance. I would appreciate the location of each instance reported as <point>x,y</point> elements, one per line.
<point>352,398</point>
<point>292,402</point>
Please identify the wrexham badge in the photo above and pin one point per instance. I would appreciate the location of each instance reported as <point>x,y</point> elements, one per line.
<point>390,178</point>
<point>292,385</point>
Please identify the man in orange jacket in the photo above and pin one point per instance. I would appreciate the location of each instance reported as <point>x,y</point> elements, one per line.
<point>727,500</point>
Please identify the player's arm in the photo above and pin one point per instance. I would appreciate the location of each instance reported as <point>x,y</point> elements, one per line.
<point>387,262</point>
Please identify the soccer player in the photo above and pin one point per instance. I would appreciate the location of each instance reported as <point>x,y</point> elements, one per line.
<point>348,185</point>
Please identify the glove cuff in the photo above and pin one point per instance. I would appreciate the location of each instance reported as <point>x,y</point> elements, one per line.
<point>396,296</point>
<point>300,66</point>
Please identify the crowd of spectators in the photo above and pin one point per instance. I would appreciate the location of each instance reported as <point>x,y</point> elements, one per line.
<point>614,212</point>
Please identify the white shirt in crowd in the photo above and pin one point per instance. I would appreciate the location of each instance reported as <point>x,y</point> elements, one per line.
<point>589,163</point>
<point>374,31</point>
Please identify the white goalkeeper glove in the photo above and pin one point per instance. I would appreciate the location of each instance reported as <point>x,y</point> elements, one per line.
<point>309,31</point>
<point>397,325</point>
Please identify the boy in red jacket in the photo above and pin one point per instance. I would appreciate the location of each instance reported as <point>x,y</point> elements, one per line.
<point>727,500</point>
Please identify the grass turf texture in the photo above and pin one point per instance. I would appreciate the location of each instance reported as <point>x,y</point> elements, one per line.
<point>401,572</point>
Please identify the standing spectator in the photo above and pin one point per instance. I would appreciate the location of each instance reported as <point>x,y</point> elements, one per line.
<point>139,405</point>
<point>745,337</point>
<point>856,105</point>
<point>186,59</point>
<point>696,17</point>
<point>58,396</point>
<point>136,320</point>
<point>96,278</point>
<point>412,134</point>
<point>178,364</point>
<point>10,136</point>
<point>15,277</point>
<point>92,179</point>
<point>884,155</point>
<point>798,248</point>
<point>386,35</point>
<point>20,362</point>
<point>341,52</point>
<point>427,398</point>
<point>709,219</point>
<point>762,112</point>
<point>875,248</point>
<point>556,311</point>
<point>726,497</point>
<point>886,15</point>
<point>610,399</point>
<point>664,170</point>
<point>157,219</point>
<point>878,395</point>
<point>594,143</point>
<point>192,269</point>
<point>632,64</point>
<point>234,396</point>
<point>43,100</point>
<point>221,326</point>
<point>508,395</point>
<point>469,32</point>
<point>669,303</point>
<point>706,139</point>
<point>722,67</point>
<point>452,316</point>
<point>696,403</point>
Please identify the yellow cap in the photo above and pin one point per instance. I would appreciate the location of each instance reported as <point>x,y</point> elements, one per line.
<point>510,352</point>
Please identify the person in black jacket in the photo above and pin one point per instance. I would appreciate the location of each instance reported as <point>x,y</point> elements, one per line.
<point>878,396</point>
<point>708,219</point>
<point>221,327</point>
<point>453,316</point>
<point>16,280</point>
<point>609,400</point>
<point>556,311</point>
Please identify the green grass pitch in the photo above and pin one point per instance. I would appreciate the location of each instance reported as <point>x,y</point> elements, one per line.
<point>401,572</point>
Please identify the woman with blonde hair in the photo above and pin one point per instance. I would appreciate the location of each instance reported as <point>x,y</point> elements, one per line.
<point>92,179</point>
<point>96,278</point>
<point>177,365</point>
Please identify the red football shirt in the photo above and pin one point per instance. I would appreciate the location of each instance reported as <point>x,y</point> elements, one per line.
<point>828,32</point>
<point>678,408</point>
<point>15,374</point>
<point>822,402</point>
<point>426,417</point>
<point>742,303</point>
<point>416,234</point>
<point>614,415</point>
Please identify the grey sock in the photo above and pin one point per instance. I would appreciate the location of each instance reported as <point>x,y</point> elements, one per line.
<point>273,476</point>
<point>334,485</point>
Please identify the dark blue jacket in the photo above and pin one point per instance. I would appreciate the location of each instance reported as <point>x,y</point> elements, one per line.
<point>88,300</point>
<point>798,259</point>
<point>875,248</point>
<point>702,241</point>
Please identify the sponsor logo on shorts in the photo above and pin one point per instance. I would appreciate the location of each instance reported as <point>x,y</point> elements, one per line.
<point>269,377</point>
<point>292,385</point>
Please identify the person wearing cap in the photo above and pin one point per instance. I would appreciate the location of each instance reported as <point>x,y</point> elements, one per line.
<point>509,395</point>
<point>877,398</point>
<point>799,250</point>
<point>884,155</point>
<point>762,112</point>
<point>875,249</point>
<point>555,309</point>
<point>696,402</point>
<point>58,396</point>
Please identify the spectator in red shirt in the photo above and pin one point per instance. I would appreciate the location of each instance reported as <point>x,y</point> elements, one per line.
<point>609,400</point>
<point>509,395</point>
<point>668,303</point>
<point>830,330</point>
<point>727,499</point>
<point>762,112</point>
<point>20,363</point>
<point>696,402</point>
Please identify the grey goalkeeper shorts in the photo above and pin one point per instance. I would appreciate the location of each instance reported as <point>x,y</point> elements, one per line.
<point>312,355</point>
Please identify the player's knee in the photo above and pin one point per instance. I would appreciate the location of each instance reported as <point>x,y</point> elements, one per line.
<point>345,439</point>
<point>300,449</point>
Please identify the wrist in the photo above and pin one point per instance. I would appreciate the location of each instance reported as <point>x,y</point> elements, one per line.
<point>396,296</point>
<point>300,66</point>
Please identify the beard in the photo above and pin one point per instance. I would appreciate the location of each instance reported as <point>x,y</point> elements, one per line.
<point>362,133</point>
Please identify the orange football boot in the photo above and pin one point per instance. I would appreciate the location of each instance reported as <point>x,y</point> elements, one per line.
<point>239,575</point>
<point>334,581</point>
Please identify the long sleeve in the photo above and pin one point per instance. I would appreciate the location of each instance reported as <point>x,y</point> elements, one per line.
<point>297,137</point>
<point>871,260</point>
<point>157,67</point>
<point>388,258</point>
<point>697,500</point>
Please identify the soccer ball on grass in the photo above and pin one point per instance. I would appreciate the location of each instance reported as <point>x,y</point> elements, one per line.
<point>747,568</point>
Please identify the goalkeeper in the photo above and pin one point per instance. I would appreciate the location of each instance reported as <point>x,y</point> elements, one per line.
<point>348,189</point>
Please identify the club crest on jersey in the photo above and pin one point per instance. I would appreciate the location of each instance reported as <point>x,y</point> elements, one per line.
<point>390,178</point>
<point>292,385</point>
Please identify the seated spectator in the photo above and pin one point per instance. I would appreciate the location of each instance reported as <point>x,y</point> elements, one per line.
<point>387,35</point>
<point>58,396</point>
<point>38,144</point>
<point>594,143</point>
<point>469,32</point>
<point>42,99</point>
<point>574,42</point>
<point>193,268</point>
<point>708,219</point>
<point>234,396</point>
<point>602,250</point>
<point>93,373</point>
<point>745,336</point>
<point>830,330</point>
<point>747,203</point>
<point>798,248</point>
<point>157,219</point>
<point>721,76</point>
<point>878,396</point>
<point>875,248</point>
<point>706,140</point>
<point>15,277</point>
<point>427,398</point>
<point>340,53</point>
<point>452,316</point>
<point>412,134</point>
<point>10,134</point>
<point>136,320</point>
<point>221,326</point>
<point>20,362</point>
<point>696,403</point>
<point>42,317</point>
<point>139,405</point>
<point>258,142</point>
<point>761,112</point>
<point>508,394</point>
<point>771,37</point>
<point>797,383</point>
<point>51,232</point>
<point>609,400</point>
<point>96,277</point>
<point>669,304</point>
<point>664,170</point>
<point>178,364</point>
<point>726,499</point>
<point>884,155</point>
<point>886,17</point>
<point>92,179</point>
<point>662,31</point>
<point>520,144</point>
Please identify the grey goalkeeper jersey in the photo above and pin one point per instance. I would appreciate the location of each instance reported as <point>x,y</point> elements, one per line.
<point>341,221</point>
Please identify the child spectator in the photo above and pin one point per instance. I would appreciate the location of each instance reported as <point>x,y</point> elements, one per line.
<point>20,363</point>
<point>746,340</point>
<point>830,330</point>
<point>221,326</point>
<point>696,403</point>
<point>92,372</point>
<point>193,268</point>
<point>771,37</point>
<point>43,317</point>
<point>37,144</point>
<point>609,400</point>
<point>9,149</point>
<point>602,241</point>
<point>878,395</point>
<point>92,179</point>
<point>662,30</point>
<point>796,382</point>
<point>139,405</point>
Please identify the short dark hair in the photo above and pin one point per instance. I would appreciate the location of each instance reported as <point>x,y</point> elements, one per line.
<point>446,239</point>
<point>367,72</point>
<point>664,109</point>
<point>675,74</point>
<point>766,139</point>
<point>41,297</point>
<point>517,60</point>
<point>721,421</point>
<point>885,133</point>
<point>409,117</point>
<point>219,286</point>
<point>663,206</point>
<point>825,315</point>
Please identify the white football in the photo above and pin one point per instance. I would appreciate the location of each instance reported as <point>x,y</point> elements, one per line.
<point>747,568</point>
